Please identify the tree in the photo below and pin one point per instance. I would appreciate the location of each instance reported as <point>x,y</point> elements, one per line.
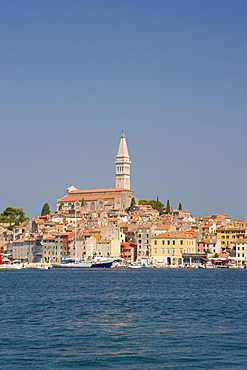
<point>60,206</point>
<point>45,210</point>
<point>82,202</point>
<point>180,207</point>
<point>156,204</point>
<point>168,208</point>
<point>133,202</point>
<point>13,216</point>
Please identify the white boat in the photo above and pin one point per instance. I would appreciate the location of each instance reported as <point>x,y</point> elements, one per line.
<point>82,264</point>
<point>133,266</point>
<point>43,267</point>
<point>11,266</point>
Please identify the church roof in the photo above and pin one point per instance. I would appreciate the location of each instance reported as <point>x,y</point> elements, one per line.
<point>108,190</point>
<point>74,198</point>
<point>71,188</point>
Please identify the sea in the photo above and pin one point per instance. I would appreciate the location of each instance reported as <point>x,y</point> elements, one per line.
<point>123,319</point>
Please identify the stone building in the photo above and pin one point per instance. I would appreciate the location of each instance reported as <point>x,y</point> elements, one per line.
<point>104,199</point>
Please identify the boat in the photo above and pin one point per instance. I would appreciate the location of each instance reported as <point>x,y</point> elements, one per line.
<point>134,266</point>
<point>102,264</point>
<point>43,267</point>
<point>10,266</point>
<point>73,264</point>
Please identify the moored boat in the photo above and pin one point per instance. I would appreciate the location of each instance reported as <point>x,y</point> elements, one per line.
<point>11,266</point>
<point>73,264</point>
<point>102,264</point>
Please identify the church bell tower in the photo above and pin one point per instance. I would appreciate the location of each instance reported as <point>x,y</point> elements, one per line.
<point>123,165</point>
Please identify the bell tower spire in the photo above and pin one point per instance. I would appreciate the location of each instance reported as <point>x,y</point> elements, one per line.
<point>123,164</point>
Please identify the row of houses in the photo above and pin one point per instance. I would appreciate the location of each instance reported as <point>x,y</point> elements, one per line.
<point>139,235</point>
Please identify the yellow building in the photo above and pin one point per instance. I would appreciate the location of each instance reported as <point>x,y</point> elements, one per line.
<point>228,234</point>
<point>167,248</point>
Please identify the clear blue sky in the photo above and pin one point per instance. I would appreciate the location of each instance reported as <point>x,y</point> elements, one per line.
<point>171,73</point>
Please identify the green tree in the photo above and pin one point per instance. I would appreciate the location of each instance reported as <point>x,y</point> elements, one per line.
<point>45,210</point>
<point>180,207</point>
<point>13,216</point>
<point>156,204</point>
<point>168,208</point>
<point>60,206</point>
<point>82,202</point>
<point>73,206</point>
<point>133,202</point>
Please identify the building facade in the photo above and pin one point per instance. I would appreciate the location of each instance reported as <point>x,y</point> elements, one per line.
<point>104,199</point>
<point>168,248</point>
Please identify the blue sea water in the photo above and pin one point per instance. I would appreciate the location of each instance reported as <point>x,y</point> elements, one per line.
<point>123,319</point>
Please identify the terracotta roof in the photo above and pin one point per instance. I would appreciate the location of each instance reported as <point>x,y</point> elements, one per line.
<point>175,235</point>
<point>79,198</point>
<point>98,190</point>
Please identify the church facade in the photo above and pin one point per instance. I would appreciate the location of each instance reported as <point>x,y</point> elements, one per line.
<point>104,199</point>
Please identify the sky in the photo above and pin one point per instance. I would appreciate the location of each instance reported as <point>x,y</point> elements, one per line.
<point>170,73</point>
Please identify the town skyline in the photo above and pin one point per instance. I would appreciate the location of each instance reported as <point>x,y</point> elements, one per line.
<point>171,74</point>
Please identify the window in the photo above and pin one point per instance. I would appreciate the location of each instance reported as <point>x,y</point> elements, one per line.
<point>181,242</point>
<point>168,242</point>
<point>173,251</point>
<point>168,251</point>
<point>163,250</point>
<point>173,242</point>
<point>163,242</point>
<point>155,242</point>
<point>155,250</point>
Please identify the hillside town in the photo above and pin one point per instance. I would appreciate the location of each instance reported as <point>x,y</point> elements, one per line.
<point>110,223</point>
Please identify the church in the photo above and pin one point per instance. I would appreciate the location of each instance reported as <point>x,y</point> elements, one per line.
<point>104,199</point>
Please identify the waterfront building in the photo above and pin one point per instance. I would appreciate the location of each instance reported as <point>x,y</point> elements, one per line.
<point>206,245</point>
<point>56,246</point>
<point>129,251</point>
<point>143,240</point>
<point>51,253</point>
<point>168,248</point>
<point>28,249</point>
<point>228,234</point>
<point>239,250</point>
